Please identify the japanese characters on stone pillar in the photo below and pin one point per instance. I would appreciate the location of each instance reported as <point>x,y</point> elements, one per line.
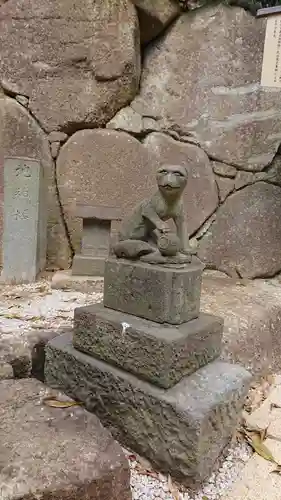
<point>271,66</point>
<point>24,220</point>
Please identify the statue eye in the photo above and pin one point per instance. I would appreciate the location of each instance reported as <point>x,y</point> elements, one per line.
<point>163,172</point>
<point>178,174</point>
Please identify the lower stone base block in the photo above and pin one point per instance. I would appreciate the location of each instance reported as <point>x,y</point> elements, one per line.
<point>182,430</point>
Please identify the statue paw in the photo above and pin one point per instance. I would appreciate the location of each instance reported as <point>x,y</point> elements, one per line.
<point>189,251</point>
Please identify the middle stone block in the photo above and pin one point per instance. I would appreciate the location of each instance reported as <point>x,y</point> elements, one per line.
<point>155,292</point>
<point>160,354</point>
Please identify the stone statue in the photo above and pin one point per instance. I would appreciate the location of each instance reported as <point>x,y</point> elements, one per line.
<point>145,234</point>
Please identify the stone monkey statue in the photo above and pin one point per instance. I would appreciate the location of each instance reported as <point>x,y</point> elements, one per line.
<point>145,235</point>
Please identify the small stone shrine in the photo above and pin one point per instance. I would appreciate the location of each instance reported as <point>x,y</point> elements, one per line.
<point>96,232</point>
<point>145,361</point>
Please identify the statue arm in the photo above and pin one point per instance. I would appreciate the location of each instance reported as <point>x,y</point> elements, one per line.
<point>150,214</point>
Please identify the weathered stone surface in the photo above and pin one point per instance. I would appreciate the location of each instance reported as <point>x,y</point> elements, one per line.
<point>149,125</point>
<point>158,293</point>
<point>120,170</point>
<point>200,195</point>
<point>223,169</point>
<point>162,355</point>
<point>6,371</point>
<point>225,187</point>
<point>243,179</point>
<point>234,119</point>
<point>51,453</point>
<point>182,430</point>
<point>246,235</point>
<point>64,280</point>
<point>273,173</point>
<point>25,353</point>
<point>252,320</point>
<point>56,136</point>
<point>85,265</point>
<point>127,120</point>
<point>21,136</point>
<point>84,66</point>
<point>24,220</point>
<point>155,16</point>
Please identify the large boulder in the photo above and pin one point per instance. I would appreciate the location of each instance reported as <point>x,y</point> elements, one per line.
<point>20,135</point>
<point>57,454</point>
<point>154,16</point>
<point>101,167</point>
<point>78,62</point>
<point>201,194</point>
<point>245,237</point>
<point>202,80</point>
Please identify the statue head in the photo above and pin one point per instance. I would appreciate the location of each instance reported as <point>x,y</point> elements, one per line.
<point>171,180</point>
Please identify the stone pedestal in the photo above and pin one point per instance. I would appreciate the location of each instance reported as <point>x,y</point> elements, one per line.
<point>95,239</point>
<point>161,294</point>
<point>146,363</point>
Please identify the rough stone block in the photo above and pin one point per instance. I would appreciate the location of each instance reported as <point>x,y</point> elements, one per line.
<point>158,293</point>
<point>24,228</point>
<point>161,354</point>
<point>6,371</point>
<point>64,280</point>
<point>182,430</point>
<point>86,265</point>
<point>23,355</point>
<point>55,454</point>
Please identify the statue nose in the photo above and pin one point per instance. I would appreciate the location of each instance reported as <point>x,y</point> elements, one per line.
<point>170,179</point>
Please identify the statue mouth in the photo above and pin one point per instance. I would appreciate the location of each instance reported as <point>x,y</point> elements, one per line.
<point>170,188</point>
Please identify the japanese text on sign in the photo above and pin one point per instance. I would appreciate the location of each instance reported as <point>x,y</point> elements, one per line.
<point>271,67</point>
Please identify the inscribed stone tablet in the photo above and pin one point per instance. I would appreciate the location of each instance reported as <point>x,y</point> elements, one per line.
<point>24,229</point>
<point>271,66</point>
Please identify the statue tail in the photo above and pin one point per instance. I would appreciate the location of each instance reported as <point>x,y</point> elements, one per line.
<point>132,249</point>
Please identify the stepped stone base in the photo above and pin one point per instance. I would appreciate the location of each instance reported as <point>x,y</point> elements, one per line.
<point>154,292</point>
<point>161,354</point>
<point>55,453</point>
<point>182,430</point>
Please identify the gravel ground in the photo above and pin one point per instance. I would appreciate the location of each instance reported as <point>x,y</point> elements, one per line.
<point>149,485</point>
<point>36,305</point>
<point>27,308</point>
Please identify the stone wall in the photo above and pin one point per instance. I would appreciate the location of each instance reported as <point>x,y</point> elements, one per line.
<point>103,92</point>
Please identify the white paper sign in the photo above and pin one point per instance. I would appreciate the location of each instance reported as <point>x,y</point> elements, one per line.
<point>271,65</point>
